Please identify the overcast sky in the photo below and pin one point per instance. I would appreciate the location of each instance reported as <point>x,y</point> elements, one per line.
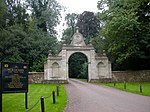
<point>76,6</point>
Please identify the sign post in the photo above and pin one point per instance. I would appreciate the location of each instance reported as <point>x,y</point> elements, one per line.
<point>14,79</point>
<point>26,100</point>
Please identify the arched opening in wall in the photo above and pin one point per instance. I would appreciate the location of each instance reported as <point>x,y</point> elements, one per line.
<point>78,66</point>
<point>100,68</point>
<point>55,69</point>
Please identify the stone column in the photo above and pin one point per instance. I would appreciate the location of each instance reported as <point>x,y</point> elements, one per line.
<point>49,70</point>
<point>67,75</point>
<point>92,64</point>
<point>89,71</point>
<point>109,69</point>
<point>64,64</point>
<point>45,71</point>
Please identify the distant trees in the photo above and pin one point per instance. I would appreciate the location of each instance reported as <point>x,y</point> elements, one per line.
<point>3,12</point>
<point>89,25</point>
<point>26,36</point>
<point>46,14</point>
<point>71,20</point>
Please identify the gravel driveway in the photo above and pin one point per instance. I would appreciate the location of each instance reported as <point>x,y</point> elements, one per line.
<point>86,97</point>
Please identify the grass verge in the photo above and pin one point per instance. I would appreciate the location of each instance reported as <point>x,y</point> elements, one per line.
<point>15,102</point>
<point>133,87</point>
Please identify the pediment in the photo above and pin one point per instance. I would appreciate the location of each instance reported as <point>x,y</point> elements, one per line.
<point>77,39</point>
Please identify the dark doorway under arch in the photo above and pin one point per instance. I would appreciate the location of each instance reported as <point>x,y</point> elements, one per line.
<point>78,66</point>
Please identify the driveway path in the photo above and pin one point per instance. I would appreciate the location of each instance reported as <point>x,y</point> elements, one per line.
<point>86,97</point>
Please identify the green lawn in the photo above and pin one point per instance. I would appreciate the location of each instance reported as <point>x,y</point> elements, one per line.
<point>15,102</point>
<point>132,87</point>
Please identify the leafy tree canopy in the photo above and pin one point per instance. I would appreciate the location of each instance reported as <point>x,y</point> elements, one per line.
<point>26,36</point>
<point>89,24</point>
<point>126,31</point>
<point>46,13</point>
<point>71,20</point>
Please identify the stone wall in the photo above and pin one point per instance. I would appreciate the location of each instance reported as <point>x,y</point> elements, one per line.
<point>119,76</point>
<point>36,77</point>
<point>131,76</point>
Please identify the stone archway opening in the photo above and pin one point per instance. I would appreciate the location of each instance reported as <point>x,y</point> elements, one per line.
<point>78,66</point>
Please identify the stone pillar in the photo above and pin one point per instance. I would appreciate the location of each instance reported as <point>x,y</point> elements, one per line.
<point>67,70</point>
<point>64,64</point>
<point>109,69</point>
<point>92,65</point>
<point>45,71</point>
<point>89,71</point>
<point>48,70</point>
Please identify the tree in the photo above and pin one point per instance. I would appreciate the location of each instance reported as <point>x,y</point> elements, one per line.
<point>71,20</point>
<point>23,37</point>
<point>143,34</point>
<point>46,13</point>
<point>99,43</point>
<point>38,43</point>
<point>3,12</point>
<point>16,13</point>
<point>11,41</point>
<point>67,35</point>
<point>89,25</point>
<point>124,26</point>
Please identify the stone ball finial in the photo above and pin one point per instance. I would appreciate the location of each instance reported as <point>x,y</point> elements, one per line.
<point>104,53</point>
<point>64,44</point>
<point>49,53</point>
<point>77,29</point>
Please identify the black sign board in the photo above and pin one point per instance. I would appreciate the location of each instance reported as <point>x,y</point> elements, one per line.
<point>14,77</point>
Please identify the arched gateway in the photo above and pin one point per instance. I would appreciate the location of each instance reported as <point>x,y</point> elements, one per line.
<point>56,67</point>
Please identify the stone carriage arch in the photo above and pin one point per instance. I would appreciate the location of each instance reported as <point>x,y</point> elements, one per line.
<point>99,67</point>
<point>83,55</point>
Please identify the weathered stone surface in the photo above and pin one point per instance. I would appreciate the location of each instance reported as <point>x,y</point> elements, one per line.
<point>118,76</point>
<point>36,77</point>
<point>131,76</point>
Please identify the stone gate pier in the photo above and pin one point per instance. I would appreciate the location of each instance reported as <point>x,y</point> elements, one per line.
<point>56,67</point>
